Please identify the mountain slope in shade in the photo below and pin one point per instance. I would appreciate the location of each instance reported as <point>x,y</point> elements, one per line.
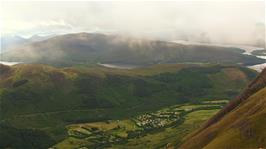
<point>8,42</point>
<point>84,48</point>
<point>240,124</point>
<point>13,42</point>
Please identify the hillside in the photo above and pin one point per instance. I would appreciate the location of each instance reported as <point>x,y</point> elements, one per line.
<point>86,48</point>
<point>240,124</point>
<point>40,100</point>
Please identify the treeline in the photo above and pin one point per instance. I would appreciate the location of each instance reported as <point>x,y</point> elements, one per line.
<point>15,138</point>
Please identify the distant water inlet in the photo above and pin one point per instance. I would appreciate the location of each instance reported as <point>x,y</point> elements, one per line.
<point>248,51</point>
<point>259,67</point>
<point>119,66</point>
<point>9,63</point>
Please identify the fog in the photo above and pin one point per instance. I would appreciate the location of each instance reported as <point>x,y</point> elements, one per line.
<point>218,22</point>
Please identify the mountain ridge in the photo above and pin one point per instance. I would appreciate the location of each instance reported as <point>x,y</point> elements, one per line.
<point>87,48</point>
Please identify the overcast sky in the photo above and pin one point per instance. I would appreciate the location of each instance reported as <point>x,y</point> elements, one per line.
<point>241,22</point>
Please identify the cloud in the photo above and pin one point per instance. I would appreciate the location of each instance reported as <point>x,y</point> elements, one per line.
<point>236,22</point>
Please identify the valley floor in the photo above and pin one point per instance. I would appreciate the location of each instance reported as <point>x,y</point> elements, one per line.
<point>158,129</point>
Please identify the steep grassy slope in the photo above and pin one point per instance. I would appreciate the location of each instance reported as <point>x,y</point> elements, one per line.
<point>240,124</point>
<point>48,98</point>
<point>84,48</point>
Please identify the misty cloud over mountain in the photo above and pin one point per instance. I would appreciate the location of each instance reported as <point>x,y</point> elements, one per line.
<point>220,22</point>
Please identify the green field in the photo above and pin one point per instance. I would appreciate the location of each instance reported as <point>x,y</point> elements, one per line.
<point>155,129</point>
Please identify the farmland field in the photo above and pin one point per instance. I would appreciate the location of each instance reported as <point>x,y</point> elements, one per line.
<point>158,129</point>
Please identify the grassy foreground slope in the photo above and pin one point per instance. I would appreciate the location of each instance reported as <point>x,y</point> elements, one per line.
<point>240,124</point>
<point>40,100</point>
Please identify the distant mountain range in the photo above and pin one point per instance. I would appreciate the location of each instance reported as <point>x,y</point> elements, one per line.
<point>10,42</point>
<point>86,48</point>
<point>240,124</point>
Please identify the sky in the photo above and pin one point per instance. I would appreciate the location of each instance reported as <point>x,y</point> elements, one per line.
<point>205,21</point>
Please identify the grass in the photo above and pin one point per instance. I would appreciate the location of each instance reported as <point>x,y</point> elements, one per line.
<point>152,138</point>
<point>249,136</point>
<point>242,128</point>
<point>200,115</point>
<point>53,98</point>
<point>171,135</point>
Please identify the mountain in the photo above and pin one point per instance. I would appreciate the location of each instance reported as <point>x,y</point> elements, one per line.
<point>240,124</point>
<point>39,101</point>
<point>13,42</point>
<point>87,48</point>
<point>36,38</point>
<point>8,42</point>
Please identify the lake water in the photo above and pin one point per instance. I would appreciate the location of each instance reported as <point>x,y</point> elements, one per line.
<point>9,63</point>
<point>119,66</point>
<point>258,67</point>
<point>248,50</point>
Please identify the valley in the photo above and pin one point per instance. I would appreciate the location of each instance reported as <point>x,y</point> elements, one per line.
<point>45,101</point>
<point>132,74</point>
<point>157,129</point>
<point>144,99</point>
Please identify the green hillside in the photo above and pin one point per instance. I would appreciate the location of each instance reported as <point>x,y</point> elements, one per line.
<point>40,100</point>
<point>249,130</point>
<point>259,52</point>
<point>85,48</point>
<point>240,124</point>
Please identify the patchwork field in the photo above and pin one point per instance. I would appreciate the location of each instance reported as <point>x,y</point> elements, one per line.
<point>157,129</point>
